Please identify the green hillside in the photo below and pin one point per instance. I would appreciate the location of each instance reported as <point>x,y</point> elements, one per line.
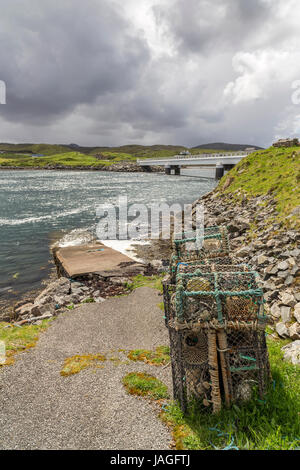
<point>21,155</point>
<point>275,171</point>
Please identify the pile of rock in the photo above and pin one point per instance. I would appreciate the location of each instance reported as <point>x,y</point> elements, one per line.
<point>269,248</point>
<point>64,292</point>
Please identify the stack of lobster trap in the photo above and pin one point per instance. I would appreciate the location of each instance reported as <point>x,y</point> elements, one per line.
<point>214,311</point>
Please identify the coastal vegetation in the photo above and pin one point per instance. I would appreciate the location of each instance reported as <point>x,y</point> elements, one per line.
<point>75,364</point>
<point>46,155</point>
<point>159,357</point>
<point>19,338</point>
<point>145,385</point>
<point>274,172</point>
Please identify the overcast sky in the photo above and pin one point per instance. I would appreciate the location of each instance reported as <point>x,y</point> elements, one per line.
<point>114,72</point>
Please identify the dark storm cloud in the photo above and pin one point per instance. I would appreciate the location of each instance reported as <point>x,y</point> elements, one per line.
<point>205,26</point>
<point>89,71</point>
<point>56,55</point>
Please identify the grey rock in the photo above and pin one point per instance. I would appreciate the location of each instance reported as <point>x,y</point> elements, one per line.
<point>285,313</point>
<point>283,265</point>
<point>292,352</point>
<point>288,299</point>
<point>297,312</point>
<point>289,281</point>
<point>262,260</point>
<point>24,309</point>
<point>282,330</point>
<point>294,331</point>
<point>275,311</point>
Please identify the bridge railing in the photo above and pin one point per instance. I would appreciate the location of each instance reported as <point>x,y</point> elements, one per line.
<point>191,157</point>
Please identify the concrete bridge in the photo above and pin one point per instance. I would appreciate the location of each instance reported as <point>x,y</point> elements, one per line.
<point>203,165</point>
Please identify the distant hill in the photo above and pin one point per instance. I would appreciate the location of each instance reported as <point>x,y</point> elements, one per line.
<point>227,147</point>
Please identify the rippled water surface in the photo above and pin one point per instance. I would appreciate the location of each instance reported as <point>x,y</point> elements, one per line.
<point>39,207</point>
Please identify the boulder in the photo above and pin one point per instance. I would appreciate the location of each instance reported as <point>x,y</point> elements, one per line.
<point>297,312</point>
<point>262,260</point>
<point>275,311</point>
<point>292,352</point>
<point>282,330</point>
<point>287,299</point>
<point>294,331</point>
<point>283,265</point>
<point>285,313</point>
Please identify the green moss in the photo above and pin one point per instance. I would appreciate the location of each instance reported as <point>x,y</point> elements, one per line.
<point>159,357</point>
<point>141,384</point>
<point>154,282</point>
<point>73,365</point>
<point>19,338</point>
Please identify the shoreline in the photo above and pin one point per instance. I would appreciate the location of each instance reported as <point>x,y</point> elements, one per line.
<point>119,169</point>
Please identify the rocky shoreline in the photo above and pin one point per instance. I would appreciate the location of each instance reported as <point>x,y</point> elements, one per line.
<point>123,167</point>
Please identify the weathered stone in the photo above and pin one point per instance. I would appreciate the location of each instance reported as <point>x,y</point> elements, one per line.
<point>289,281</point>
<point>287,299</point>
<point>262,260</point>
<point>283,265</point>
<point>275,311</point>
<point>292,352</point>
<point>282,330</point>
<point>294,331</point>
<point>60,287</point>
<point>24,309</point>
<point>297,312</point>
<point>285,313</point>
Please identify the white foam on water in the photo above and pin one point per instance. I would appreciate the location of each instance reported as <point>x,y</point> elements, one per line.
<point>77,237</point>
<point>126,247</point>
<point>28,220</point>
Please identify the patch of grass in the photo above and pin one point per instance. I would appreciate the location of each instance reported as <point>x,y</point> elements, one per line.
<point>275,171</point>
<point>145,385</point>
<point>155,282</point>
<point>159,357</point>
<point>73,365</point>
<point>271,424</point>
<point>20,338</point>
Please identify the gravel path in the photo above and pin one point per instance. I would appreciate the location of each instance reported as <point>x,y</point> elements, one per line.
<point>40,409</point>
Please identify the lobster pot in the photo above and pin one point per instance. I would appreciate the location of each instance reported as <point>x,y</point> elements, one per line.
<point>246,362</point>
<point>195,368</point>
<point>205,264</point>
<point>169,290</point>
<point>219,297</point>
<point>210,245</point>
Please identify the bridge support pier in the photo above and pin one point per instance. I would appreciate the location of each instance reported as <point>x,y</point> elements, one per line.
<point>167,169</point>
<point>176,169</point>
<point>148,169</point>
<point>219,171</point>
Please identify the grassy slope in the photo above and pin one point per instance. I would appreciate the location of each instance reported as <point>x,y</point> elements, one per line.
<point>273,171</point>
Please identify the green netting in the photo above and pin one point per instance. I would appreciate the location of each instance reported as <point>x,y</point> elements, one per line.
<point>221,296</point>
<point>213,244</point>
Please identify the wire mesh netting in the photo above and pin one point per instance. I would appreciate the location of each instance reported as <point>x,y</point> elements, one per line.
<point>220,296</point>
<point>195,368</point>
<point>214,311</point>
<point>215,366</point>
<point>212,244</point>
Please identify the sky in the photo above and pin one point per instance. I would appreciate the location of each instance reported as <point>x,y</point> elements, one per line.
<point>117,72</point>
